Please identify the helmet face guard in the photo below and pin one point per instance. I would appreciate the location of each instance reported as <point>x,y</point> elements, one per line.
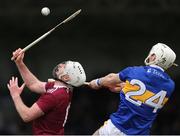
<point>165,56</point>
<point>74,70</point>
<point>55,71</point>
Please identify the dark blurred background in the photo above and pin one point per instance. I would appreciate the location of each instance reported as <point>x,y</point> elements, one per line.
<point>107,36</point>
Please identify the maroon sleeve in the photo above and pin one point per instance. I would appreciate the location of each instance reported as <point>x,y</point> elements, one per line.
<point>49,85</point>
<point>46,102</point>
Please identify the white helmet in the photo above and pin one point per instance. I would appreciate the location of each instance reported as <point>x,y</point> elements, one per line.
<point>76,73</point>
<point>165,56</point>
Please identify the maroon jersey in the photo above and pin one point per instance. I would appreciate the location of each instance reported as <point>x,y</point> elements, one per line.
<point>55,103</point>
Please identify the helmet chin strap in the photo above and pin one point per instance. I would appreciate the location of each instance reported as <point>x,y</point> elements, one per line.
<point>61,81</point>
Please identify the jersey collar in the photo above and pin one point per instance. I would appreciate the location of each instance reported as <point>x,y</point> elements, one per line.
<point>156,66</point>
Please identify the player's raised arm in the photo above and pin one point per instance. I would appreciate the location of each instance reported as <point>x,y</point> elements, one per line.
<point>111,81</point>
<point>26,113</point>
<point>30,80</point>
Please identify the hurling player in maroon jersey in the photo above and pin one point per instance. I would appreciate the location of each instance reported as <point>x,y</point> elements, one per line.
<point>49,113</point>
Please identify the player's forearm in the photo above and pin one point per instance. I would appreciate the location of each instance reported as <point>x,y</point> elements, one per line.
<point>21,108</point>
<point>103,82</point>
<point>99,83</point>
<point>26,74</point>
<point>109,81</point>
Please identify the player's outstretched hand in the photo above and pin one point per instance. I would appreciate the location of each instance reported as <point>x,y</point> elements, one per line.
<point>18,55</point>
<point>86,83</point>
<point>13,87</point>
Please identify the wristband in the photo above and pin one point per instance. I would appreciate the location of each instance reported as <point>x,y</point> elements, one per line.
<point>98,82</point>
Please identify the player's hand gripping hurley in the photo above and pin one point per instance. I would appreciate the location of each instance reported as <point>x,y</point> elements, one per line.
<point>50,31</point>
